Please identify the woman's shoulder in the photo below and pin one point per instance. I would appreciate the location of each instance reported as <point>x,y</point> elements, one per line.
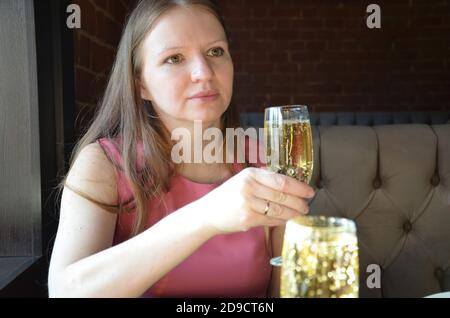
<point>113,150</point>
<point>93,174</point>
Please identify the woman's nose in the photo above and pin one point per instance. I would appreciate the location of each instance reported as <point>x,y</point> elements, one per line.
<point>201,70</point>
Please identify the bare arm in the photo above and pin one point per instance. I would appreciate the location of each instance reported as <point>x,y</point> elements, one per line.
<point>83,262</point>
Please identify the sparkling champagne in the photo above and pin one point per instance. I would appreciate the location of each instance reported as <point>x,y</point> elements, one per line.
<point>289,148</point>
<point>320,259</point>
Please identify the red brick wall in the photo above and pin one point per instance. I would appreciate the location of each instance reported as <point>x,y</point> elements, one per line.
<point>315,52</point>
<point>95,46</point>
<point>321,53</point>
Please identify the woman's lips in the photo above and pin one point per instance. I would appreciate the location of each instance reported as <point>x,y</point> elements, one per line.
<point>204,99</point>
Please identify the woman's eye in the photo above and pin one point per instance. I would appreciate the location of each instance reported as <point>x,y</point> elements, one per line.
<point>175,59</point>
<point>218,51</point>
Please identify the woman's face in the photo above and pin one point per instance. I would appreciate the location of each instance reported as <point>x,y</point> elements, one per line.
<point>186,55</point>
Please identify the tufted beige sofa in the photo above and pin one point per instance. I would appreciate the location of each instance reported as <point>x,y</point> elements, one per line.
<point>390,172</point>
<point>394,181</point>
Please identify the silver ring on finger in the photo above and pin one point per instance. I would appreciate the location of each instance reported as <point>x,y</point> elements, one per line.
<point>266,210</point>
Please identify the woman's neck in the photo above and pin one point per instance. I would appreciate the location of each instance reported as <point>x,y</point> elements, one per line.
<point>198,168</point>
<point>204,172</point>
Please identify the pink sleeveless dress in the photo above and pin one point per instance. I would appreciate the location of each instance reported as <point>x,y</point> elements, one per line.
<point>231,265</point>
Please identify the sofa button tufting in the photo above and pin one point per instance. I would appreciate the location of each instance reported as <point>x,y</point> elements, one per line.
<point>435,181</point>
<point>377,184</point>
<point>407,226</point>
<point>439,273</point>
<point>319,184</point>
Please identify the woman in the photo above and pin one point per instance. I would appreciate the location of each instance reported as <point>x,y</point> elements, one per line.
<point>133,223</point>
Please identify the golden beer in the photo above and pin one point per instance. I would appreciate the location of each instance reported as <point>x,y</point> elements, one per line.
<point>320,258</point>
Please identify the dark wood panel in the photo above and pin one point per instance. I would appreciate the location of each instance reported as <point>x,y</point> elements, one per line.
<point>11,267</point>
<point>20,191</point>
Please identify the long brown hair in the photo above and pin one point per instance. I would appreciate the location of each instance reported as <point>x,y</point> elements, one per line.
<point>123,113</point>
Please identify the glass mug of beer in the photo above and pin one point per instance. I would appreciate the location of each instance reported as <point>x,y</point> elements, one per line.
<point>320,258</point>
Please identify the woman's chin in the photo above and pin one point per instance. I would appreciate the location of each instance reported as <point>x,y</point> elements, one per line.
<point>206,116</point>
<point>207,120</point>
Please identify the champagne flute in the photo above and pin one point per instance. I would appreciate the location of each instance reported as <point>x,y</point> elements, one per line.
<point>289,146</point>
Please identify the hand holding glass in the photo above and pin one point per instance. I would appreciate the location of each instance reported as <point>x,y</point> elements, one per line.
<point>289,146</point>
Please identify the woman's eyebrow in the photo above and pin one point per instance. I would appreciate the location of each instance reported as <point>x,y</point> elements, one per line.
<point>169,48</point>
